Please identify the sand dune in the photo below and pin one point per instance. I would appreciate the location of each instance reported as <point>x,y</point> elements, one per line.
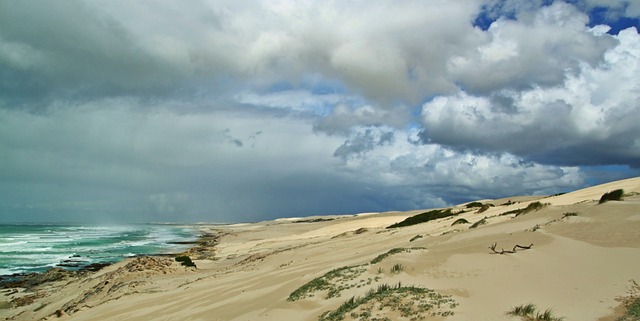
<point>584,260</point>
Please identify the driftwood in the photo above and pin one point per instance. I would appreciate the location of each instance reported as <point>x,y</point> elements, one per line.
<point>503,251</point>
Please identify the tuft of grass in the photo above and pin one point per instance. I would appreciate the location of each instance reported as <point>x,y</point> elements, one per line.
<point>529,312</point>
<point>615,195</point>
<point>460,221</point>
<point>523,310</point>
<point>569,214</point>
<point>185,261</point>
<point>415,238</point>
<point>478,223</point>
<point>397,268</point>
<point>424,217</point>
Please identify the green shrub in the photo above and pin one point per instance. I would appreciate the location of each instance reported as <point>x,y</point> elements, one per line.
<point>424,217</point>
<point>532,207</point>
<point>484,208</point>
<point>185,261</point>
<point>474,204</point>
<point>460,221</point>
<point>612,196</point>
<point>632,312</point>
<point>478,223</point>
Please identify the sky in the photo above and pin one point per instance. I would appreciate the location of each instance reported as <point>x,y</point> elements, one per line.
<point>233,111</point>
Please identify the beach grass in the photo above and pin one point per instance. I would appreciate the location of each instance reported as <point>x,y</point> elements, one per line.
<point>529,312</point>
<point>410,301</point>
<point>632,312</point>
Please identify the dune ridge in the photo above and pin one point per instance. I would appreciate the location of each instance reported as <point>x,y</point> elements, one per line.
<point>582,262</point>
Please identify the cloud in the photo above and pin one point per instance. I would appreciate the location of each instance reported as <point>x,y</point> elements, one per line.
<point>244,110</point>
<point>538,49</point>
<point>586,120</point>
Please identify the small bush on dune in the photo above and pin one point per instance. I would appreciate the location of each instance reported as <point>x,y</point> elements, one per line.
<point>460,221</point>
<point>185,261</point>
<point>569,214</point>
<point>478,223</point>
<point>484,208</point>
<point>474,204</point>
<point>612,196</point>
<point>424,217</point>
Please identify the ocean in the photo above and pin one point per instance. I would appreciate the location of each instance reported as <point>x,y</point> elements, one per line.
<point>37,248</point>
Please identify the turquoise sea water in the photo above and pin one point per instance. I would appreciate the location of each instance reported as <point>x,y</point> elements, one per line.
<point>36,248</point>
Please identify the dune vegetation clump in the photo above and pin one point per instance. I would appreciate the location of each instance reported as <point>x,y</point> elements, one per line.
<point>460,221</point>
<point>615,195</point>
<point>532,207</point>
<point>410,301</point>
<point>529,312</point>
<point>478,223</point>
<point>185,261</point>
<point>424,217</point>
<point>334,282</point>
<point>474,204</point>
<point>632,312</point>
<point>484,208</point>
<point>393,251</point>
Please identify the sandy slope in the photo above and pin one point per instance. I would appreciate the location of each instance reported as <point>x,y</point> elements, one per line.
<point>578,266</point>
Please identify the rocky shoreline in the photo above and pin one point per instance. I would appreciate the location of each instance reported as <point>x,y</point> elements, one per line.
<point>25,289</point>
<point>203,247</point>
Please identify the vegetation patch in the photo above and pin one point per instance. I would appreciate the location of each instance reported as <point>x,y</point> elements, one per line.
<point>410,302</point>
<point>569,214</point>
<point>474,204</point>
<point>396,250</point>
<point>612,196</point>
<point>416,238</point>
<point>397,268</point>
<point>460,221</point>
<point>532,207</point>
<point>484,208</point>
<point>185,261</point>
<point>478,223</point>
<point>529,312</point>
<point>424,217</point>
<point>334,282</point>
<point>633,310</point>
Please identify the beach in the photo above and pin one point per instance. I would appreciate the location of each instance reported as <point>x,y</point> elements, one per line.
<point>566,253</point>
